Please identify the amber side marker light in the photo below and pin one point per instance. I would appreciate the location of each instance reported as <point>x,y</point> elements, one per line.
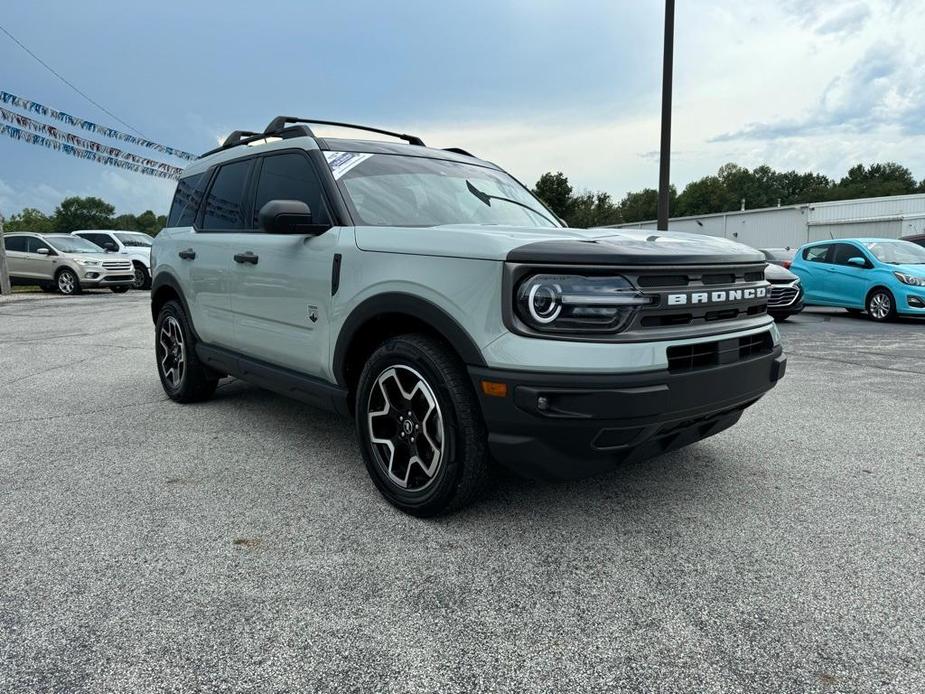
<point>494,389</point>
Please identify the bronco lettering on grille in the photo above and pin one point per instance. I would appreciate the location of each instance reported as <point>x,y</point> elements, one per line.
<point>717,297</point>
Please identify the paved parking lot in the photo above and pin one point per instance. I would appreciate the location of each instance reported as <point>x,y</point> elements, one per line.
<point>239,545</point>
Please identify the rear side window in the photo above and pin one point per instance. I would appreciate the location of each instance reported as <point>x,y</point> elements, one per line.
<point>186,201</point>
<point>817,254</point>
<point>224,208</point>
<point>15,243</point>
<point>290,177</point>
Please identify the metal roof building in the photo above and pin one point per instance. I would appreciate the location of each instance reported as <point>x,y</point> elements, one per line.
<point>794,225</point>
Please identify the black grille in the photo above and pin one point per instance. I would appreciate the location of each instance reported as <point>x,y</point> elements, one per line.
<point>703,355</point>
<point>723,278</point>
<point>754,276</point>
<point>663,280</point>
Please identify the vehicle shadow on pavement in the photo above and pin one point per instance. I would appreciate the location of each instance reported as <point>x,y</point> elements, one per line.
<point>664,479</point>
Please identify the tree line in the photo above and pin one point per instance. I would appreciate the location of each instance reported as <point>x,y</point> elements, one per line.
<point>724,192</point>
<point>76,213</point>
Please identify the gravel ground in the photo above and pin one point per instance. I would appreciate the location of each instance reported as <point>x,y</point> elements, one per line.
<point>239,545</point>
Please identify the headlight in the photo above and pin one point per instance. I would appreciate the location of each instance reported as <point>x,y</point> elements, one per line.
<point>81,261</point>
<point>578,304</point>
<point>910,279</point>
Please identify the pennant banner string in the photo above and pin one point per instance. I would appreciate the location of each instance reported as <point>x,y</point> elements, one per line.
<point>22,121</point>
<point>80,153</point>
<point>35,107</point>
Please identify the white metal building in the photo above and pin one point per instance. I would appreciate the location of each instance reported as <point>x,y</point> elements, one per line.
<point>794,225</point>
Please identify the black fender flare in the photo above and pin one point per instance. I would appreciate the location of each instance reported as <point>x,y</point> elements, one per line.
<point>414,307</point>
<point>166,279</point>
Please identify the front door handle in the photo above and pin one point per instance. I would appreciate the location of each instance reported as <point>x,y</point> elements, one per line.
<point>188,254</point>
<point>248,257</point>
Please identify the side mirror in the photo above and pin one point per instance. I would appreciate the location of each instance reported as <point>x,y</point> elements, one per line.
<point>289,217</point>
<point>41,251</point>
<point>860,262</point>
<point>110,247</point>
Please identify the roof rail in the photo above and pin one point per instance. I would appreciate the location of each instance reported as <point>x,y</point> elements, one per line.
<point>244,137</point>
<point>459,150</point>
<point>280,122</point>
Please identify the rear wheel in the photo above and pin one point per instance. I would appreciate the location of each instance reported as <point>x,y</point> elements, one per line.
<point>420,426</point>
<point>880,306</point>
<point>183,376</point>
<point>68,282</point>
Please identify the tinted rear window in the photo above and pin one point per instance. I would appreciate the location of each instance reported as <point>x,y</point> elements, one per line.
<point>15,243</point>
<point>186,201</point>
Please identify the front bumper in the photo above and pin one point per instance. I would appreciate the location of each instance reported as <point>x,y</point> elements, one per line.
<point>96,278</point>
<point>561,426</point>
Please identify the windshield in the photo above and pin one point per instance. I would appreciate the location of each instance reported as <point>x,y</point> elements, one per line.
<point>402,191</point>
<point>72,244</point>
<point>897,252</point>
<point>142,240</point>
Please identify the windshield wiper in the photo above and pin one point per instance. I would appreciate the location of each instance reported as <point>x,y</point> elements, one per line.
<point>487,198</point>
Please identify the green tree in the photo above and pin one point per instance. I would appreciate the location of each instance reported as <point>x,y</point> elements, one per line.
<point>703,196</point>
<point>874,181</point>
<point>30,219</point>
<point>83,213</point>
<point>593,210</point>
<point>555,191</point>
<point>643,205</point>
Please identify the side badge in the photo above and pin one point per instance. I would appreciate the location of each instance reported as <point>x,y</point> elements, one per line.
<point>313,314</point>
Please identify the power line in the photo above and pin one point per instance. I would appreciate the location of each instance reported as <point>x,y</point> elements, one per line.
<point>68,83</point>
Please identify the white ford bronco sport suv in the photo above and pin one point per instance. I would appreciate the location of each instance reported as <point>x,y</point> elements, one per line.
<point>431,296</point>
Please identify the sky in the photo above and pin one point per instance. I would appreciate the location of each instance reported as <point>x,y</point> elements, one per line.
<point>533,85</point>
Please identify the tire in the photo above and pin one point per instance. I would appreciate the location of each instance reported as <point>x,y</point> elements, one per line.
<point>426,454</point>
<point>67,282</point>
<point>183,377</point>
<point>881,306</point>
<point>119,290</point>
<point>142,278</point>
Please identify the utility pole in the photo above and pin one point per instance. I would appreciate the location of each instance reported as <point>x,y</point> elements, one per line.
<point>665,158</point>
<point>4,271</point>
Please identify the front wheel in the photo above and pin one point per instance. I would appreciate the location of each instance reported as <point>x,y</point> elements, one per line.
<point>142,278</point>
<point>420,426</point>
<point>68,282</point>
<point>880,306</point>
<point>183,376</point>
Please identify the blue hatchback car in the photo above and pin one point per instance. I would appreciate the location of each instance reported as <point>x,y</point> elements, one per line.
<point>885,277</point>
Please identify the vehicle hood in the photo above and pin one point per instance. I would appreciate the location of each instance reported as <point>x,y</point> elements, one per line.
<point>97,257</point>
<point>781,274</point>
<point>548,245</point>
<point>917,270</point>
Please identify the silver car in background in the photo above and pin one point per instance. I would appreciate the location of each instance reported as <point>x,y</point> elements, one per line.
<point>64,263</point>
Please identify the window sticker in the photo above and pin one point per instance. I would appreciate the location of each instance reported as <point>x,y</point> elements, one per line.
<point>342,162</point>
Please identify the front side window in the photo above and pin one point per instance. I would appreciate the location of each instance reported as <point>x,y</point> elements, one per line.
<point>897,252</point>
<point>98,239</point>
<point>134,240</point>
<point>224,207</point>
<point>16,244</point>
<point>845,252</point>
<point>72,244</point>
<point>397,190</point>
<point>290,177</point>
<point>816,254</point>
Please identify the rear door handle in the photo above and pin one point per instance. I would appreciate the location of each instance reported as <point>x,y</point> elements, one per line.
<point>188,254</point>
<point>248,257</point>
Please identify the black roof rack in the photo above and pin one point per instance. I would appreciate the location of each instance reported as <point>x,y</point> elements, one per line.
<point>280,122</point>
<point>459,150</point>
<point>243,137</point>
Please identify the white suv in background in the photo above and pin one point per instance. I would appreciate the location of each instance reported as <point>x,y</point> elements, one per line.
<point>134,244</point>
